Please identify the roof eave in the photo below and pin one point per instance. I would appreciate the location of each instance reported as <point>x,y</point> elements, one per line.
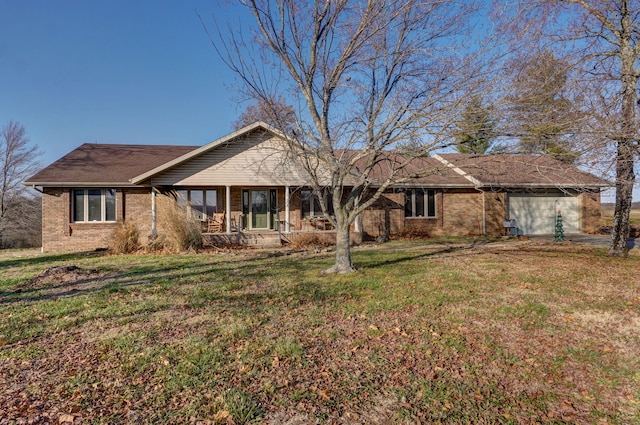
<point>432,185</point>
<point>542,186</point>
<point>80,184</point>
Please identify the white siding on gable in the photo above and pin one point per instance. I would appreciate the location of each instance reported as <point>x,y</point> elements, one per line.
<point>248,161</point>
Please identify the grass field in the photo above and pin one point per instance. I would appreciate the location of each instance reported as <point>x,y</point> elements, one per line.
<point>608,210</point>
<point>507,332</point>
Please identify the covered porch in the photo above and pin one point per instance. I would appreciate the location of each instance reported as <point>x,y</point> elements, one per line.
<point>252,215</point>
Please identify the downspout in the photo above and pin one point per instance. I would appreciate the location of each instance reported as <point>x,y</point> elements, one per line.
<point>154,230</point>
<point>484,213</point>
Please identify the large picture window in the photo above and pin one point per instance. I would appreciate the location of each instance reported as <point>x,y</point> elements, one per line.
<point>202,202</point>
<point>91,205</point>
<point>420,203</point>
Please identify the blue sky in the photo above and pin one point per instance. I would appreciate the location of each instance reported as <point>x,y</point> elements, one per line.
<point>116,71</point>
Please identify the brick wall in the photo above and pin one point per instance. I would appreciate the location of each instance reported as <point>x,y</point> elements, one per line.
<point>495,213</point>
<point>458,213</point>
<point>59,233</point>
<point>591,212</point>
<point>385,216</point>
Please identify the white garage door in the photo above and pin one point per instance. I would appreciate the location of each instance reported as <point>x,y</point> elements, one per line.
<point>535,214</point>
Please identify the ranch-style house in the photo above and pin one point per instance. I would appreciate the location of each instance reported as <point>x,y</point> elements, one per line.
<point>244,188</point>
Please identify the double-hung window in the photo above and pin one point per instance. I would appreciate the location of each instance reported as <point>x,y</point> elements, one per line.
<point>420,203</point>
<point>94,205</point>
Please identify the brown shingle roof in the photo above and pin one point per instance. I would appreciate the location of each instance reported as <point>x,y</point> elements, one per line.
<point>114,164</point>
<point>508,170</point>
<point>94,163</point>
<point>423,171</point>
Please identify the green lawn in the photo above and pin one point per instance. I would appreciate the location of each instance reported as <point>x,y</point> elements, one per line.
<point>450,332</point>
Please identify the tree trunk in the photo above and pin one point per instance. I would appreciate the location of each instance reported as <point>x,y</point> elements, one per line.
<point>625,178</point>
<point>343,262</point>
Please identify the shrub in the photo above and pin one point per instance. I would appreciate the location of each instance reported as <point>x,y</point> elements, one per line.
<point>312,240</point>
<point>125,239</point>
<point>413,234</point>
<point>182,233</point>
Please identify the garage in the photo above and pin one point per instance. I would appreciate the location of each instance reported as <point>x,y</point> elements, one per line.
<point>535,214</point>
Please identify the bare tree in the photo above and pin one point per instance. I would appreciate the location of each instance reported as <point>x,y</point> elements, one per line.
<point>22,224</point>
<point>364,78</point>
<point>18,159</point>
<point>274,112</point>
<point>601,36</point>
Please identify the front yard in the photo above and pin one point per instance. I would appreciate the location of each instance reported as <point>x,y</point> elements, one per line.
<point>458,332</point>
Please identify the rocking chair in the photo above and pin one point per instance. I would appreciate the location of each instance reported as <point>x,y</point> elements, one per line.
<point>216,223</point>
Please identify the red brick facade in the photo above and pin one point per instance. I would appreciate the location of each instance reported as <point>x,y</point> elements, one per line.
<point>459,212</point>
<point>59,232</point>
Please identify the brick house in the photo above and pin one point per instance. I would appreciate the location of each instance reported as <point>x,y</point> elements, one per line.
<point>265,194</point>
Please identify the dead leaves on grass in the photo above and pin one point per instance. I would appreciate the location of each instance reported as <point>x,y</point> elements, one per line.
<point>420,363</point>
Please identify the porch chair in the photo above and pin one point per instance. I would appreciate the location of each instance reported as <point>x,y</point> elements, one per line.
<point>216,223</point>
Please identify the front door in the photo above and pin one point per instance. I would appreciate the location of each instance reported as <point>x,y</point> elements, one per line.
<point>259,209</point>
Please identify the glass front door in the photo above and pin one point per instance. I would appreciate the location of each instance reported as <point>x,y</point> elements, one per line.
<point>259,209</point>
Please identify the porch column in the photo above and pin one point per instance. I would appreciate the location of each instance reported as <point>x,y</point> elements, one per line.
<point>287,210</point>
<point>154,230</point>
<point>228,207</point>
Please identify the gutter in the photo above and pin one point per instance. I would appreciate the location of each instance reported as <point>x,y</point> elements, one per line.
<point>34,187</point>
<point>80,184</point>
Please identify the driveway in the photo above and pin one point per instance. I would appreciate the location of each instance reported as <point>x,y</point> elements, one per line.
<point>597,240</point>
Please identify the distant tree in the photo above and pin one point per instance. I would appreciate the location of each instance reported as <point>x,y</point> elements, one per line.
<point>18,160</point>
<point>22,225</point>
<point>475,130</point>
<point>540,112</point>
<point>274,112</point>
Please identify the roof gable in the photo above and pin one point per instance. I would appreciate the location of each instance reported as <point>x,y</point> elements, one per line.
<point>245,131</point>
<point>255,158</point>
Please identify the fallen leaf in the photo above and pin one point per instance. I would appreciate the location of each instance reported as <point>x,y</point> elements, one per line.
<point>221,415</point>
<point>66,418</point>
<point>324,394</point>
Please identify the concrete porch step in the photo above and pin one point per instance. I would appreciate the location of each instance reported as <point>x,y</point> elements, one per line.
<point>255,239</point>
<point>261,240</point>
